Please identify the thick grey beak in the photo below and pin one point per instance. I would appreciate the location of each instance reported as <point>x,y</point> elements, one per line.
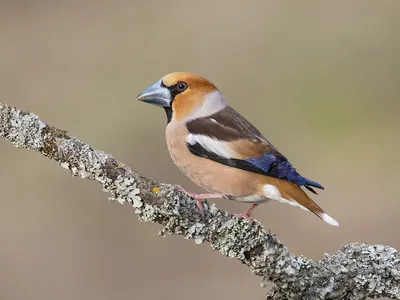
<point>156,94</point>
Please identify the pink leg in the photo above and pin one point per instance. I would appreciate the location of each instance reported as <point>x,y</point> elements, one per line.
<point>200,197</point>
<point>246,215</point>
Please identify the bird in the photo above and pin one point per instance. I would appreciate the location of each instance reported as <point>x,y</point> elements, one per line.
<point>222,152</point>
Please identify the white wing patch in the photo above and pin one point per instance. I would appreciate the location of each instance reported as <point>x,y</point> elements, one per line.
<point>218,147</point>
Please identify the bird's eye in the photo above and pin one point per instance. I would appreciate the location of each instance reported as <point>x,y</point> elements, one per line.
<point>181,86</point>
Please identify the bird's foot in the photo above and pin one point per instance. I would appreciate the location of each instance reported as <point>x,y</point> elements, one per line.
<point>200,198</point>
<point>246,215</point>
<point>199,203</point>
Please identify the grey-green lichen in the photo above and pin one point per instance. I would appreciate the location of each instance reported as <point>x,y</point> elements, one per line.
<point>355,272</point>
<point>22,129</point>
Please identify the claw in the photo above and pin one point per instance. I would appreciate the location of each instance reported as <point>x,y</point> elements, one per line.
<point>246,215</point>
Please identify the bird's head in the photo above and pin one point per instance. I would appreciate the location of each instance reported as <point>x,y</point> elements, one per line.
<point>184,96</point>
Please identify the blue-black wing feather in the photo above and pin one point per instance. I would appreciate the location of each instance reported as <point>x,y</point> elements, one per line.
<point>268,164</point>
<point>228,125</point>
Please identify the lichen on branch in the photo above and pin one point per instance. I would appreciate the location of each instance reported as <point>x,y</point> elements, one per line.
<point>356,271</point>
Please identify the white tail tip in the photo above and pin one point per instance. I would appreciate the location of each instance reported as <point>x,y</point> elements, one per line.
<point>329,220</point>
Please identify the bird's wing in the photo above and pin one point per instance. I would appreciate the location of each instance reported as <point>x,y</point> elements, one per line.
<point>228,138</point>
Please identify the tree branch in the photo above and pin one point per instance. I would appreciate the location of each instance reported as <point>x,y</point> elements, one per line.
<point>357,271</point>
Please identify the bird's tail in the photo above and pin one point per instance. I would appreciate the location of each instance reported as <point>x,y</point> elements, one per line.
<point>319,212</point>
<point>296,193</point>
<point>308,203</point>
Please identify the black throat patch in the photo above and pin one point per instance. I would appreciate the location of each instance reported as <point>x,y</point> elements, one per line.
<point>168,111</point>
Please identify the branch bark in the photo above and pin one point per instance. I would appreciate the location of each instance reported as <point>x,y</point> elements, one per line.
<point>356,271</point>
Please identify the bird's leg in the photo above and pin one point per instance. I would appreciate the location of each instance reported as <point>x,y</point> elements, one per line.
<point>246,215</point>
<point>200,197</point>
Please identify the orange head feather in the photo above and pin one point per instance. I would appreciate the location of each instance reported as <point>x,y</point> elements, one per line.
<point>188,102</point>
<point>184,96</point>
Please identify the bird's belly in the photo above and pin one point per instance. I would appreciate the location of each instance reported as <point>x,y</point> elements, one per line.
<point>214,177</point>
<point>249,199</point>
<point>222,180</point>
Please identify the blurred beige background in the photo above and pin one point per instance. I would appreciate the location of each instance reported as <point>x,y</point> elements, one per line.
<point>319,79</point>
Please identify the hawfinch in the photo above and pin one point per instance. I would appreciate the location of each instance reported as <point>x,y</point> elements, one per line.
<point>221,151</point>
